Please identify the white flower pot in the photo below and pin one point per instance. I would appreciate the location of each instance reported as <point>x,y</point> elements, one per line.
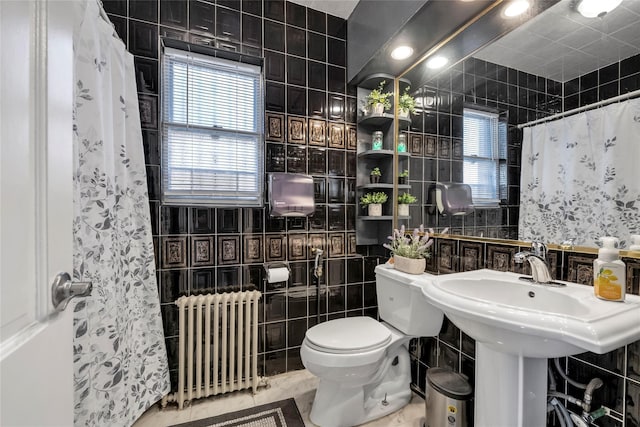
<point>404,114</point>
<point>378,109</point>
<point>375,209</point>
<point>409,265</point>
<point>403,209</point>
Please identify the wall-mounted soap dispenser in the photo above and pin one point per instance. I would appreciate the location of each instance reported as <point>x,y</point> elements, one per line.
<point>290,194</point>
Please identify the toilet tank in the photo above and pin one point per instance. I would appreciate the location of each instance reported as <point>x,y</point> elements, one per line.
<point>402,304</point>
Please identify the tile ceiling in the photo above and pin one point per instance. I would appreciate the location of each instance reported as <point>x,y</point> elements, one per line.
<point>560,44</point>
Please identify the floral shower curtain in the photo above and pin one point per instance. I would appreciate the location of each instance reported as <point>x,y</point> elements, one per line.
<point>120,361</point>
<point>581,176</point>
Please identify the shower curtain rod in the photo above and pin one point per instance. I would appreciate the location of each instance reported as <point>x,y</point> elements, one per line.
<point>583,108</point>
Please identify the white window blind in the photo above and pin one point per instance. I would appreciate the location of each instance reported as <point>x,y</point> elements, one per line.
<point>212,131</point>
<point>484,153</point>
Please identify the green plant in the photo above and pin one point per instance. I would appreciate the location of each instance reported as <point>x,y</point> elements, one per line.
<point>407,102</point>
<point>376,172</point>
<point>415,245</point>
<point>404,173</point>
<point>406,198</point>
<point>373,198</point>
<point>377,96</point>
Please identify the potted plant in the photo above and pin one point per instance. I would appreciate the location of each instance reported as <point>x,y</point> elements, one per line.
<point>403,203</point>
<point>378,101</point>
<point>375,175</point>
<point>373,202</point>
<point>403,176</point>
<point>406,104</point>
<point>410,252</point>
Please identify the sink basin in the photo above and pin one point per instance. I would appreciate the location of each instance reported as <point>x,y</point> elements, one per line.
<point>533,320</point>
<point>517,325</point>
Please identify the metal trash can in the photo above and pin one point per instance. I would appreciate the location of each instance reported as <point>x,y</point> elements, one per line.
<point>446,398</point>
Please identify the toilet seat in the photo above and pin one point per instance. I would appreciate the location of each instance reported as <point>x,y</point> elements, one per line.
<point>348,336</point>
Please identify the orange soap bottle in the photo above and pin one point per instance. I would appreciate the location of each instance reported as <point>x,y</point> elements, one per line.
<point>609,275</point>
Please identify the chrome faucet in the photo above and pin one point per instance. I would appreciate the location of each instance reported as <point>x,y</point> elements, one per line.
<point>537,259</point>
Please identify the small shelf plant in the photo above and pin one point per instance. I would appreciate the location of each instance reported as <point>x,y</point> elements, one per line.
<point>373,202</point>
<point>410,251</point>
<point>403,176</point>
<point>406,104</point>
<point>403,203</point>
<point>378,101</point>
<point>374,176</point>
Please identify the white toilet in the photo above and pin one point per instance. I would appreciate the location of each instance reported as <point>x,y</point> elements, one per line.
<point>363,365</point>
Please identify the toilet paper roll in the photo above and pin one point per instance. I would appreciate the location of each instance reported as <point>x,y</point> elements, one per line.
<point>280,274</point>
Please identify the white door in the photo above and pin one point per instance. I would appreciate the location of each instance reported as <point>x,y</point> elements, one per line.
<point>36,94</point>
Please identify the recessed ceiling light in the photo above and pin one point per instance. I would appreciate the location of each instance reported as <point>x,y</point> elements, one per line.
<point>402,52</point>
<point>437,62</point>
<point>597,8</point>
<point>515,8</point>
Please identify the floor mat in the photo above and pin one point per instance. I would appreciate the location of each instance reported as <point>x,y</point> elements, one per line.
<point>283,413</point>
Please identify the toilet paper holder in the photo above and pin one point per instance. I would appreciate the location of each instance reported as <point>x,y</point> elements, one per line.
<point>276,265</point>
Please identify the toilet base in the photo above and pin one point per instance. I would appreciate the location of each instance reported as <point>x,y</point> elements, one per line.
<point>338,405</point>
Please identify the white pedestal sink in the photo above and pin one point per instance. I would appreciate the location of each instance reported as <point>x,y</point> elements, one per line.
<point>517,325</point>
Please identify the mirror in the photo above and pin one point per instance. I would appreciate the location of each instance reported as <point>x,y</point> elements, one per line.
<point>553,62</point>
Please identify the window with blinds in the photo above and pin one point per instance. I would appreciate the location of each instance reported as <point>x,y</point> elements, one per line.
<point>485,152</point>
<point>212,131</point>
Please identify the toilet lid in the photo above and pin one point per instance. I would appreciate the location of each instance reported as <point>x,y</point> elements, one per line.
<point>352,334</point>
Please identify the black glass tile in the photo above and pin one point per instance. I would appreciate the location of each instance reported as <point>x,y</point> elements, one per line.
<point>608,90</point>
<point>355,270</point>
<point>296,100</point>
<point>143,39</point>
<point>318,219</point>
<point>350,191</point>
<point>629,84</point>
<point>151,147</point>
<point>336,166</point>
<point>296,14</point>
<point>350,217</point>
<point>203,281</point>
<point>274,9</point>
<point>173,284</point>
<point>337,52</point>
<point>296,71</point>
<point>251,30</point>
<point>336,190</point>
<point>174,220</point>
<point>444,171</point>
<point>444,124</point>
<point>319,189</point>
<point>317,75</point>
<point>588,96</point>
<point>296,41</point>
<point>275,36</point>
<point>252,6</point>
<point>299,224</point>
<point>296,159</point>
<point>336,107</point>
<point>119,7</point>
<point>336,27</point>
<point>317,161</point>
<point>153,182</point>
<point>630,66</point>
<point>145,10</point>
<point>610,394</point>
<point>317,46</point>
<point>275,332</point>
<point>202,17</point>
<point>203,220</point>
<point>228,24</point>
<point>589,81</point>
<point>275,158</point>
<point>170,319</point>
<point>146,75</point>
<point>275,224</point>
<point>316,20</point>
<point>336,298</point>
<point>274,66</point>
<point>317,103</point>
<point>172,33</point>
<point>351,164</point>
<point>354,297</point>
<point>296,330</point>
<point>253,220</point>
<point>336,213</point>
<point>154,212</point>
<point>228,220</point>
<point>120,25</point>
<point>336,81</point>
<point>275,363</point>
<point>173,13</point>
<point>274,96</point>
<point>232,4</point>
<point>351,110</point>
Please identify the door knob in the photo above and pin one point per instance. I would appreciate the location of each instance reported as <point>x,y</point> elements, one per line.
<point>63,289</point>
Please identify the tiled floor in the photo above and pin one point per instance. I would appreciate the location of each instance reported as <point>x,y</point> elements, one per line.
<point>300,385</point>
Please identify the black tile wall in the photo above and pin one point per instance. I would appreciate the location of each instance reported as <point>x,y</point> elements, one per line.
<point>201,250</point>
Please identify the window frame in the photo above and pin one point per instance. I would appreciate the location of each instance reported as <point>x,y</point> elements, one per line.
<point>212,60</point>
<point>498,150</point>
